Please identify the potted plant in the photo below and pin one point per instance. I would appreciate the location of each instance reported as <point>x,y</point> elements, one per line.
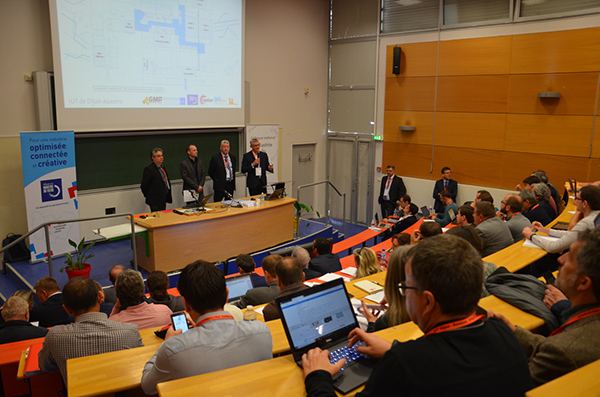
<point>76,264</point>
<point>299,208</point>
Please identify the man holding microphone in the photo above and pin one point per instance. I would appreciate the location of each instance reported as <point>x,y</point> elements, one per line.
<point>255,165</point>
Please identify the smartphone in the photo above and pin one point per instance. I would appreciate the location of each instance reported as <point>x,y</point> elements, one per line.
<point>550,279</point>
<point>179,321</point>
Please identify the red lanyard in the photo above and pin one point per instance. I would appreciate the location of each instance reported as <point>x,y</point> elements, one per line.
<point>389,181</point>
<point>513,215</point>
<point>163,171</point>
<point>256,155</point>
<point>580,316</point>
<point>456,324</point>
<point>216,317</point>
<point>534,207</point>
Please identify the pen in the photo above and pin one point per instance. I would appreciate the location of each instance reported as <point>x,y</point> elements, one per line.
<point>375,282</point>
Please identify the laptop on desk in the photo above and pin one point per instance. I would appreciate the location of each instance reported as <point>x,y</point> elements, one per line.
<point>275,195</point>
<point>322,316</point>
<point>238,286</point>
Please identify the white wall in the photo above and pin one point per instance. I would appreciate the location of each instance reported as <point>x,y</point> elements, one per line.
<point>285,52</point>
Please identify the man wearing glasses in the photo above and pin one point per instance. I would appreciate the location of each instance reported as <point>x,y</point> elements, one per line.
<point>461,353</point>
<point>587,201</point>
<point>255,165</point>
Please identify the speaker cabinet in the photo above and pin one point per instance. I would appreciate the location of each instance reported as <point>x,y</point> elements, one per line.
<point>397,59</point>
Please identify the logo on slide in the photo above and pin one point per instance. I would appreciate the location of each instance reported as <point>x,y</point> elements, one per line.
<point>202,99</point>
<point>152,99</point>
<point>192,99</point>
<point>51,190</point>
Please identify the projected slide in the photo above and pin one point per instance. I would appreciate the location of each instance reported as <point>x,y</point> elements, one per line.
<point>151,53</point>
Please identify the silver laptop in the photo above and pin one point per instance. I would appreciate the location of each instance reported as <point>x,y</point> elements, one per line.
<point>238,286</point>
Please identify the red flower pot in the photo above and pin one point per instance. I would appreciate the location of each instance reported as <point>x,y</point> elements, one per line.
<point>80,273</point>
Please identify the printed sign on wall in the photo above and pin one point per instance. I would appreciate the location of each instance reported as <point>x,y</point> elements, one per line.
<point>50,189</point>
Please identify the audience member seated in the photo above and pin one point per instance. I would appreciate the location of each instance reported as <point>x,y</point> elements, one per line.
<point>322,260</point>
<point>464,217</point>
<point>493,231</point>
<point>366,262</point>
<point>553,190</point>
<point>105,307</point>
<point>22,293</point>
<point>427,229</point>
<point>259,295</point>
<point>216,341</point>
<point>399,240</point>
<point>450,208</point>
<point>393,303</point>
<point>542,195</point>
<point>110,294</point>
<point>576,342</point>
<point>50,311</point>
<point>91,333</point>
<point>304,257</point>
<point>527,182</point>
<point>245,264</point>
<point>461,353</point>
<point>482,195</point>
<point>16,327</point>
<point>531,208</point>
<point>290,278</point>
<point>588,205</point>
<point>405,201</point>
<point>468,233</point>
<point>157,284</point>
<point>510,211</point>
<point>132,306</point>
<point>409,219</point>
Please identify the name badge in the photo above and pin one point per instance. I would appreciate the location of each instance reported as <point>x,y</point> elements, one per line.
<point>258,171</point>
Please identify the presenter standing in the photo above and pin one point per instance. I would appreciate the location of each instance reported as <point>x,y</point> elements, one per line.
<point>155,183</point>
<point>222,171</point>
<point>255,165</point>
<point>192,173</point>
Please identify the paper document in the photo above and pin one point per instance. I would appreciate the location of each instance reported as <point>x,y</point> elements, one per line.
<point>529,243</point>
<point>351,271</point>
<point>377,298</point>
<point>332,276</point>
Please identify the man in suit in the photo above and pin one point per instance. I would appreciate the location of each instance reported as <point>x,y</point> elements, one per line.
<point>392,188</point>
<point>531,208</point>
<point>446,183</point>
<point>50,311</point>
<point>155,183</point>
<point>260,295</point>
<point>222,171</point>
<point>510,211</point>
<point>494,232</point>
<point>323,261</point>
<point>245,264</point>
<point>407,221</point>
<point>255,165</point>
<point>17,327</point>
<point>192,173</point>
<point>576,342</point>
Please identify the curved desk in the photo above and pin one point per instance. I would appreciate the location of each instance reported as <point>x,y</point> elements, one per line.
<point>174,240</point>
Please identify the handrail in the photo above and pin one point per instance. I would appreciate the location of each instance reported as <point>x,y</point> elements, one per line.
<point>326,204</point>
<point>47,234</point>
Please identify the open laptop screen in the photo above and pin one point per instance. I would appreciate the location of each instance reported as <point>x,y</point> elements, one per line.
<point>318,316</point>
<point>238,286</point>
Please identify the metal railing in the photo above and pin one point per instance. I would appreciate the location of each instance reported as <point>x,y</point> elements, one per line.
<point>47,235</point>
<point>327,203</point>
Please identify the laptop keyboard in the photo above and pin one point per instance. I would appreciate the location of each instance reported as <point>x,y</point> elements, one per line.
<point>349,353</point>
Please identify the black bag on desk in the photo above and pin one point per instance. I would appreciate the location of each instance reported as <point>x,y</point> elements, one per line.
<point>16,253</point>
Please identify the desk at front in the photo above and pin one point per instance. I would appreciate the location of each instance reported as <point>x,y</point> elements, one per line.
<point>174,241</point>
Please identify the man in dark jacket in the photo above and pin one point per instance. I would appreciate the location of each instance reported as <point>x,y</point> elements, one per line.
<point>156,185</point>
<point>50,311</point>
<point>193,174</point>
<point>323,261</point>
<point>17,327</point>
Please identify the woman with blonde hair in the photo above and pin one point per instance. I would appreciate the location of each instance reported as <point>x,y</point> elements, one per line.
<point>396,306</point>
<point>366,262</point>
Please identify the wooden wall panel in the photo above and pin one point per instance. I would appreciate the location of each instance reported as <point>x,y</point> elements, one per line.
<point>558,135</point>
<point>556,52</point>
<point>473,94</point>
<point>470,166</point>
<point>490,55</point>
<point>410,160</point>
<point>596,139</point>
<point>578,93</point>
<point>410,93</point>
<point>473,130</point>
<point>417,60</point>
<point>594,170</point>
<point>422,121</point>
<point>517,166</point>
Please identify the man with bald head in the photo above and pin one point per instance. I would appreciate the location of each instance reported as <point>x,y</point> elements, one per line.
<point>510,210</point>
<point>193,174</point>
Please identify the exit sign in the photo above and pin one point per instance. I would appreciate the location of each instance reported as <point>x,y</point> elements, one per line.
<point>377,138</point>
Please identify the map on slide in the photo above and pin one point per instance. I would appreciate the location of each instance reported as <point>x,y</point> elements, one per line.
<point>143,53</point>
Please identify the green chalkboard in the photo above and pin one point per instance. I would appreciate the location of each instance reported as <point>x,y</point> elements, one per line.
<point>112,159</point>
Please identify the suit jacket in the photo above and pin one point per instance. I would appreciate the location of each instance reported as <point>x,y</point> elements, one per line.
<point>324,264</point>
<point>216,170</point>
<point>439,187</point>
<point>559,354</point>
<point>397,189</point>
<point>537,213</point>
<point>259,295</point>
<point>258,280</point>
<point>17,330</point>
<point>154,188</point>
<point>253,181</point>
<point>495,235</point>
<point>50,313</point>
<point>188,174</point>
<point>270,311</point>
<point>404,224</point>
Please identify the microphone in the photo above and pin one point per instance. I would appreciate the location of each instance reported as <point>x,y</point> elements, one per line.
<point>229,196</point>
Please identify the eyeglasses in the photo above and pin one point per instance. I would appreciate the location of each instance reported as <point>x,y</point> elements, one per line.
<point>403,287</point>
<point>577,198</point>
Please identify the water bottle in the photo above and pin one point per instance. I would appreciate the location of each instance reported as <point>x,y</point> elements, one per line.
<point>262,196</point>
<point>383,255</point>
<point>249,314</point>
<point>373,222</point>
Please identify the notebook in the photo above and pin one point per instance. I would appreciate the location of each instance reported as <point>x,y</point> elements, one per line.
<point>322,316</point>
<point>238,286</point>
